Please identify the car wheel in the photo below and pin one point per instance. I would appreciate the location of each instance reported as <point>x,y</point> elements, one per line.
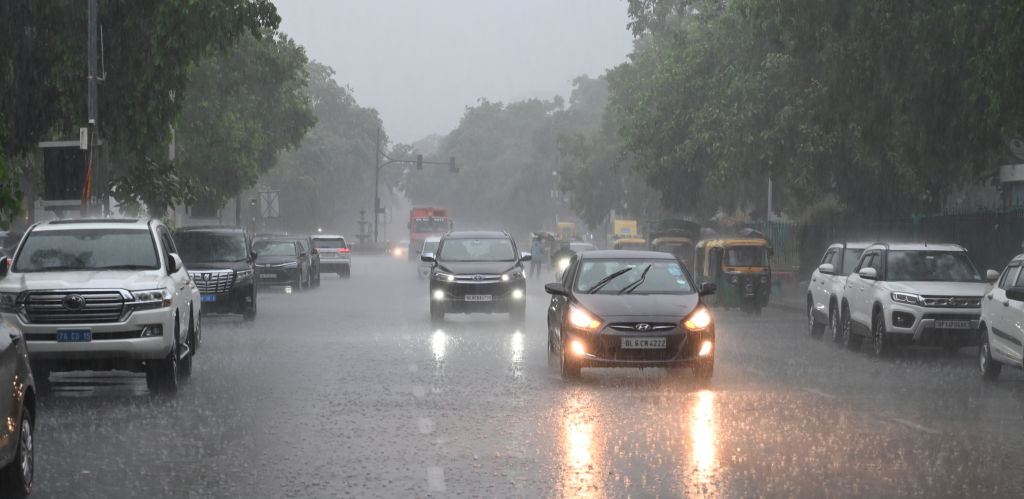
<point>569,367</point>
<point>880,341</point>
<point>436,312</point>
<point>16,478</point>
<point>815,328</point>
<point>552,359</point>
<point>836,324</point>
<point>316,279</point>
<point>989,368</point>
<point>346,272</point>
<point>850,340</point>
<point>185,363</point>
<point>41,374</point>
<point>162,375</point>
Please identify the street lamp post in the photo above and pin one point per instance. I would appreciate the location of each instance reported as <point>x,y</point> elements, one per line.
<point>419,162</point>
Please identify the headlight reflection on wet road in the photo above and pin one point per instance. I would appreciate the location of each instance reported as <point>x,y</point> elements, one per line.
<point>439,344</point>
<point>582,460</point>
<point>704,461</point>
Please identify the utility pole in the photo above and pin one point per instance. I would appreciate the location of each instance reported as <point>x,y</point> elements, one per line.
<point>92,128</point>
<point>376,189</point>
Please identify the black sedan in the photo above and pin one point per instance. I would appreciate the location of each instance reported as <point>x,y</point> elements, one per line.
<point>629,309</point>
<point>18,408</point>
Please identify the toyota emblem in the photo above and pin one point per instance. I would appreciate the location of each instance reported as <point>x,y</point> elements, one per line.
<point>643,326</point>
<point>73,302</point>
<point>478,277</point>
<point>206,276</point>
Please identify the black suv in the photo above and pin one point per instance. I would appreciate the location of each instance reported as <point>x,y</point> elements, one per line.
<point>282,260</point>
<point>477,271</point>
<point>221,262</point>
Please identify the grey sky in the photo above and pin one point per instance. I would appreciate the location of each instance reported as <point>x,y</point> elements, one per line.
<point>422,62</point>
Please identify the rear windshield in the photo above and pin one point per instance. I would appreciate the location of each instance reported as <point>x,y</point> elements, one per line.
<point>329,242</point>
<point>208,247</point>
<point>87,249</point>
<point>274,248</point>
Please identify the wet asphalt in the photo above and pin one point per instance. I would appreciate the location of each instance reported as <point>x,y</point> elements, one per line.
<point>347,391</point>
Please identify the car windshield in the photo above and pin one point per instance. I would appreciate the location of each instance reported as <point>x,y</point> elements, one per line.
<point>931,266</point>
<point>205,247</point>
<point>87,249</point>
<point>329,242</point>
<point>274,248</point>
<point>663,277</point>
<point>493,249</point>
<point>746,256</point>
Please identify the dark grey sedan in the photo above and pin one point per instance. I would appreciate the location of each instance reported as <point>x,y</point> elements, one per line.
<point>629,309</point>
<point>18,409</point>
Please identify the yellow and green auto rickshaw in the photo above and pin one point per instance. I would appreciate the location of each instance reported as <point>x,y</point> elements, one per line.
<point>630,243</point>
<point>681,247</point>
<point>740,268</point>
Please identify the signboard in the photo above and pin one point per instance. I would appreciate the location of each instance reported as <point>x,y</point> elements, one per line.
<point>270,207</point>
<point>64,170</point>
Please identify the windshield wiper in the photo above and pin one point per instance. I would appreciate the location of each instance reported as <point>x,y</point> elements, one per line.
<point>600,284</point>
<point>635,284</point>
<point>123,267</point>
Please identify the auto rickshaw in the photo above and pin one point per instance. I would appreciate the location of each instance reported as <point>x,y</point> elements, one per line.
<point>630,243</point>
<point>740,268</point>
<point>681,247</point>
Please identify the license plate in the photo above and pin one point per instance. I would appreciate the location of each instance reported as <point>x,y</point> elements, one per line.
<point>644,343</point>
<point>478,297</point>
<point>268,276</point>
<point>74,335</point>
<point>207,298</point>
<point>953,324</point>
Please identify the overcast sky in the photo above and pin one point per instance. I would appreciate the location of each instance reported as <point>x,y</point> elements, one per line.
<point>422,62</point>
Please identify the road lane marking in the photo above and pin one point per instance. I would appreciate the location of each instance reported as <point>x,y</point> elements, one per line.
<point>820,393</point>
<point>911,424</point>
<point>435,479</point>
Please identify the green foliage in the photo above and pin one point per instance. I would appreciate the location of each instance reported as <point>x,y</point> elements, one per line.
<point>245,103</point>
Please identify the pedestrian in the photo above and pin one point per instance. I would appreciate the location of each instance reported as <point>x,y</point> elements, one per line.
<point>536,257</point>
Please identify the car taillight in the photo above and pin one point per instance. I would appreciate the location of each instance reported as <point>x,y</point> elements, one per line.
<point>342,250</point>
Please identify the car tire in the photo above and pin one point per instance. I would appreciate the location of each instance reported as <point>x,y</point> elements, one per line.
<point>249,314</point>
<point>436,313</point>
<point>568,367</point>
<point>881,343</point>
<point>162,375</point>
<point>185,364</point>
<point>835,324</point>
<point>988,367</point>
<point>17,477</point>
<point>850,340</point>
<point>316,279</point>
<point>346,272</point>
<point>814,328</point>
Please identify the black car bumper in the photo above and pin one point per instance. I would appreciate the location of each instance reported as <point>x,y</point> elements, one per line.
<point>276,276</point>
<point>495,297</point>
<point>607,347</point>
<point>236,301</point>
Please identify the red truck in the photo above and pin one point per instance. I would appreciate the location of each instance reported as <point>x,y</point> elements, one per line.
<point>426,221</point>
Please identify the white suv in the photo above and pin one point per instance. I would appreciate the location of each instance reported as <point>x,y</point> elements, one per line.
<point>825,290</point>
<point>103,294</point>
<point>928,294</point>
<point>1002,322</point>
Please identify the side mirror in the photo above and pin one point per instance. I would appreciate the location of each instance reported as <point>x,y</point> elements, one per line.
<point>1015,293</point>
<point>5,266</point>
<point>428,258</point>
<point>707,288</point>
<point>174,263</point>
<point>868,273</point>
<point>827,268</point>
<point>991,275</point>
<point>555,288</point>
<point>525,256</point>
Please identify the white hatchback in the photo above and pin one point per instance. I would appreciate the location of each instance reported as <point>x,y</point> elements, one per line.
<point>1002,322</point>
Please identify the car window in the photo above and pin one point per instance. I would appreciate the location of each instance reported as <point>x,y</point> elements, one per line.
<point>429,247</point>
<point>1017,278</point>
<point>658,276</point>
<point>916,265</point>
<point>87,249</point>
<point>746,256</point>
<point>827,258</point>
<point>329,242</point>
<point>274,248</point>
<point>478,250</point>
<point>850,257</point>
<point>868,261</point>
<point>200,247</point>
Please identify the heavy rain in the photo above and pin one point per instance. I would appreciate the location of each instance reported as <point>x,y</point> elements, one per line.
<point>615,248</point>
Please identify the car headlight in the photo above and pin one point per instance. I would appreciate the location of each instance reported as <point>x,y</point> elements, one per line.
<point>563,264</point>
<point>152,298</point>
<point>243,274</point>
<point>698,320</point>
<point>512,275</point>
<point>908,298</point>
<point>289,265</point>
<point>8,302</point>
<point>582,320</point>
<point>443,276</point>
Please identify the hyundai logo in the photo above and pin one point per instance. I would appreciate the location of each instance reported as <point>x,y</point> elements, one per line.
<point>73,302</point>
<point>643,326</point>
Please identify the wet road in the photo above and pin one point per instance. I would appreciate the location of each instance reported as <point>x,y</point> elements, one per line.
<point>346,391</point>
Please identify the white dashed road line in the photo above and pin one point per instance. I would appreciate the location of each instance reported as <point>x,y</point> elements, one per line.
<point>911,424</point>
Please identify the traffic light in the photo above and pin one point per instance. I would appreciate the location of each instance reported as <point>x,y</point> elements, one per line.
<point>451,165</point>
<point>419,161</point>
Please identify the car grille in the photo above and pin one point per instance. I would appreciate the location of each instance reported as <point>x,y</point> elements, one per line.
<point>484,288</point>
<point>952,317</point>
<point>213,281</point>
<point>951,301</point>
<point>48,307</point>
<point>651,327</point>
